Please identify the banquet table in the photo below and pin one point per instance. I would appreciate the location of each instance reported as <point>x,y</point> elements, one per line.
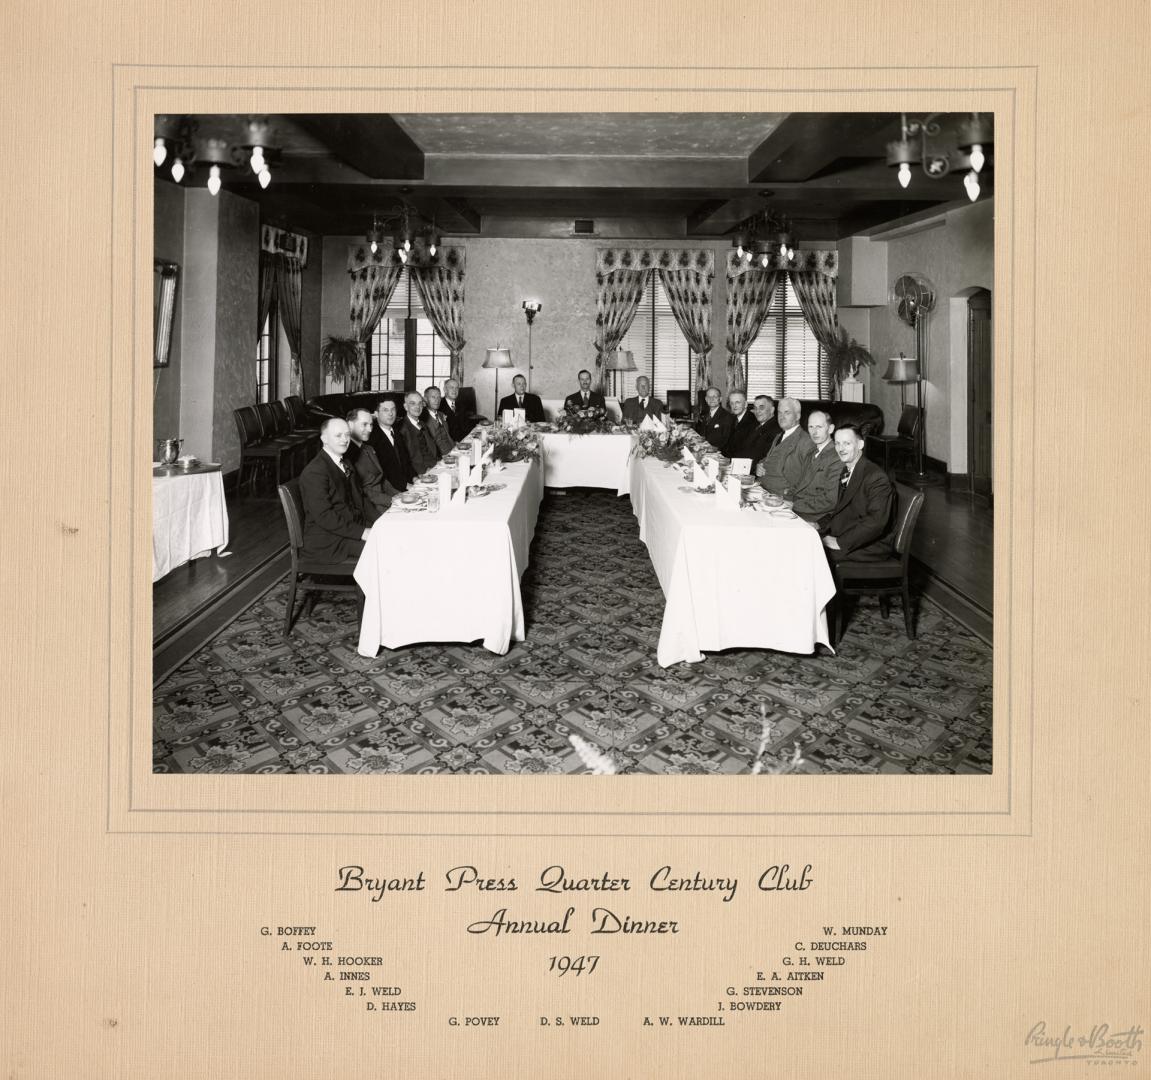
<point>729,577</point>
<point>598,461</point>
<point>451,575</point>
<point>189,517</point>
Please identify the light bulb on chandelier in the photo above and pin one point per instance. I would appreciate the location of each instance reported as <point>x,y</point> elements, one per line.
<point>177,170</point>
<point>977,158</point>
<point>159,151</point>
<point>971,183</point>
<point>214,179</point>
<point>265,177</point>
<point>904,175</point>
<point>257,160</point>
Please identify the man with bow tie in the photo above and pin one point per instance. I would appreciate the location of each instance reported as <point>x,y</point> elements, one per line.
<point>634,409</point>
<point>585,397</point>
<point>859,526</point>
<point>715,423</point>
<point>337,516</point>
<point>520,399</point>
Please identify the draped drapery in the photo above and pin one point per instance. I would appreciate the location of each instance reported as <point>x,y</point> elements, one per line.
<point>689,296</point>
<point>620,277</point>
<point>441,288</point>
<point>372,286</point>
<point>749,291</point>
<point>288,303</point>
<point>268,271</point>
<point>816,294</point>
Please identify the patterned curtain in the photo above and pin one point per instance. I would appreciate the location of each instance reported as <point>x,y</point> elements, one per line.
<point>268,270</point>
<point>689,295</point>
<point>620,274</point>
<point>372,288</point>
<point>749,292</point>
<point>441,287</point>
<point>816,293</point>
<point>288,293</point>
<point>617,300</point>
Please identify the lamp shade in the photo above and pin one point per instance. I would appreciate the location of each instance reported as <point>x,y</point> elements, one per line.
<point>901,369</point>
<point>498,357</point>
<point>621,361</point>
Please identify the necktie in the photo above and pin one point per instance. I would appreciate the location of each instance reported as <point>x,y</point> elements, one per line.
<point>846,476</point>
<point>776,441</point>
<point>643,403</point>
<point>519,401</point>
<point>585,397</point>
<point>345,469</point>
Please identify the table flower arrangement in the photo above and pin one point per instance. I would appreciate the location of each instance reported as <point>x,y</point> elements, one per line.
<point>513,443</point>
<point>593,420</point>
<point>666,446</point>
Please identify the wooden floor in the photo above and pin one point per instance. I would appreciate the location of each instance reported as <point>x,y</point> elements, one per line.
<point>953,541</point>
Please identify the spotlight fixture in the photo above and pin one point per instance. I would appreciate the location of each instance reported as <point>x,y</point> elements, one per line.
<point>938,148</point>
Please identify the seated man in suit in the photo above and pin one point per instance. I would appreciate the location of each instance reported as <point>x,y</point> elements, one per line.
<point>437,422</point>
<point>418,440</point>
<point>859,526</point>
<point>737,442</point>
<point>389,447</point>
<point>458,423</point>
<point>634,409</point>
<point>519,398</point>
<point>715,423</point>
<point>786,462</point>
<point>363,459</point>
<point>337,516</point>
<point>585,397</point>
<point>766,429</point>
<point>816,495</point>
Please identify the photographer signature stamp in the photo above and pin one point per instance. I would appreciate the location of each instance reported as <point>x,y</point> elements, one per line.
<point>1100,1044</point>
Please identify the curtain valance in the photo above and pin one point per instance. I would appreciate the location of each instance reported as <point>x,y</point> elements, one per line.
<point>609,260</point>
<point>281,242</point>
<point>820,261</point>
<point>360,257</point>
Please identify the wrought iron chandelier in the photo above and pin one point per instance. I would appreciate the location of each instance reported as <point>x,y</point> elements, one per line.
<point>408,232</point>
<point>178,141</point>
<point>940,150</point>
<point>765,237</point>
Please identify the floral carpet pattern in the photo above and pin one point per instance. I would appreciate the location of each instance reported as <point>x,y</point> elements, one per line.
<point>251,702</point>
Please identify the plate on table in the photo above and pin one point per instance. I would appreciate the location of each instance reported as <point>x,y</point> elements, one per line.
<point>475,492</point>
<point>783,512</point>
<point>427,478</point>
<point>451,459</point>
<point>494,487</point>
<point>709,490</point>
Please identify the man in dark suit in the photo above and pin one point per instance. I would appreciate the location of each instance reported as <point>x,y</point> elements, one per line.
<point>459,424</point>
<point>389,447</point>
<point>715,423</point>
<point>859,526</point>
<point>363,459</point>
<point>786,462</point>
<point>418,440</point>
<point>337,517</point>
<point>519,398</point>
<point>585,397</point>
<point>737,442</point>
<point>818,491</point>
<point>437,422</point>
<point>764,433</point>
<point>634,409</point>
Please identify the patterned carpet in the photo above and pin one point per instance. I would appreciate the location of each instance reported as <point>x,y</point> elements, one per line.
<point>251,702</point>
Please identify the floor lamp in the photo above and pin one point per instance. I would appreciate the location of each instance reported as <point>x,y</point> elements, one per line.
<point>903,370</point>
<point>620,361</point>
<point>497,358</point>
<point>531,309</point>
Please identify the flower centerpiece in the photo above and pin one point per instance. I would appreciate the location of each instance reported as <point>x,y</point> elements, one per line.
<point>593,420</point>
<point>513,443</point>
<point>666,446</point>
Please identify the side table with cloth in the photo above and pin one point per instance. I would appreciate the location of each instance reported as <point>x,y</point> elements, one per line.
<point>729,578</point>
<point>599,461</point>
<point>473,553</point>
<point>189,516</point>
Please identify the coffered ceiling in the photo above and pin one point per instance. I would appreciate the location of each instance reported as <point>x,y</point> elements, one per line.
<point>694,175</point>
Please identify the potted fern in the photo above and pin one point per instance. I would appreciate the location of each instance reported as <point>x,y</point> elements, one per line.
<point>845,356</point>
<point>343,361</point>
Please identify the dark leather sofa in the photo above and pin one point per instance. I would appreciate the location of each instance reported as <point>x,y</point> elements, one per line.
<point>868,417</point>
<point>340,405</point>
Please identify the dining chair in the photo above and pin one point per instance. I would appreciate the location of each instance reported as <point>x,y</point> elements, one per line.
<point>255,450</point>
<point>906,437</point>
<point>884,578</point>
<point>303,568</point>
<point>679,404</point>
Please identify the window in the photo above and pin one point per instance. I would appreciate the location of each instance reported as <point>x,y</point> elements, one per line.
<point>785,360</point>
<point>660,349</point>
<point>387,358</point>
<point>266,358</point>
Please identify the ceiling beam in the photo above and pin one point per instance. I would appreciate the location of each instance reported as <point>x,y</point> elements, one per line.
<point>806,143</point>
<point>461,210</point>
<point>372,143</point>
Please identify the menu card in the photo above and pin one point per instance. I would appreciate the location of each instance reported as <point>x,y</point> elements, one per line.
<point>740,466</point>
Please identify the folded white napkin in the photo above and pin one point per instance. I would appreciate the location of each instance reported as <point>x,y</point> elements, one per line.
<point>740,466</point>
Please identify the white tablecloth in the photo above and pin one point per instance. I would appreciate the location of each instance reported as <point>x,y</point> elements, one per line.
<point>599,461</point>
<point>452,575</point>
<point>729,578</point>
<point>189,519</point>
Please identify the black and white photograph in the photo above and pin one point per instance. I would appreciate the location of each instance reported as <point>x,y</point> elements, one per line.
<point>554,443</point>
